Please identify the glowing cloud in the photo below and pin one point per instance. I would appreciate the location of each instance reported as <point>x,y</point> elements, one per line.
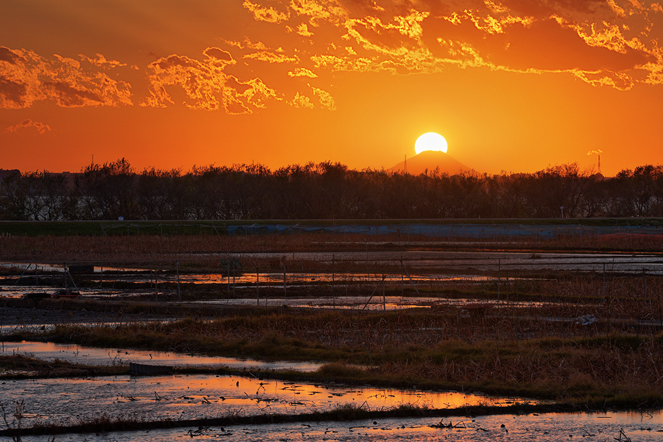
<point>205,84</point>
<point>302,101</point>
<point>589,39</point>
<point>271,57</point>
<point>267,14</point>
<point>303,30</point>
<point>26,124</point>
<point>101,61</point>
<point>26,77</point>
<point>302,72</point>
<point>325,98</point>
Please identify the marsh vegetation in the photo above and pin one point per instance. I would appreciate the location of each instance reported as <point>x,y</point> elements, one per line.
<point>578,326</point>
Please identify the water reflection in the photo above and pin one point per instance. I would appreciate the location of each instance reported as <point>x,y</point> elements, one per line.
<point>113,356</point>
<point>543,428</point>
<point>207,396</point>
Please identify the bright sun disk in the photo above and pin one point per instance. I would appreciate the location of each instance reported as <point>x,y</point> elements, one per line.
<point>430,141</point>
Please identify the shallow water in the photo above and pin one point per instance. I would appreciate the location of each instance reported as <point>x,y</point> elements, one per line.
<point>482,260</point>
<point>544,428</point>
<point>247,282</point>
<point>59,268</point>
<point>113,356</point>
<point>376,302</point>
<point>68,401</point>
<point>265,278</point>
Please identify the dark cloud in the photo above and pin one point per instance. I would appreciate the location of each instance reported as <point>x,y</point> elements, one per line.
<point>236,108</point>
<point>25,124</point>
<point>175,61</point>
<point>237,86</point>
<point>68,96</point>
<point>101,61</point>
<point>218,54</point>
<point>12,93</point>
<point>7,55</point>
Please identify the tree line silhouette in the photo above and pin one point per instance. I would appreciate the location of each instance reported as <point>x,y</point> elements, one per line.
<point>324,191</point>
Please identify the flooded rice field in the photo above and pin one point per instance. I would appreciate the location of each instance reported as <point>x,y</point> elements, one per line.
<point>599,427</point>
<point>370,280</point>
<point>368,303</point>
<point>341,272</point>
<point>39,320</point>
<point>265,279</point>
<point>77,354</point>
<point>184,397</point>
<point>340,302</point>
<point>483,260</point>
<point>242,275</point>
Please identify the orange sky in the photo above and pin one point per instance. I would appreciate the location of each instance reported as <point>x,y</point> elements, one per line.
<point>513,85</point>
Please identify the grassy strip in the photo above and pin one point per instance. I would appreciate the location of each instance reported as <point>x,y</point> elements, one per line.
<point>170,310</point>
<point>216,227</point>
<point>342,413</point>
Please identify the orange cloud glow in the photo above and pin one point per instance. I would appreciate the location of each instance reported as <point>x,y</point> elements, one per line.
<point>513,85</point>
<point>26,77</point>
<point>40,127</point>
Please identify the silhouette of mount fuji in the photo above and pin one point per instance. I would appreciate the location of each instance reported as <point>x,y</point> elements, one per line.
<point>429,161</point>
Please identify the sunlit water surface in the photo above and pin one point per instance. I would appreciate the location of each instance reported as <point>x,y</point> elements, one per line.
<point>71,401</point>
<point>113,356</point>
<point>545,427</point>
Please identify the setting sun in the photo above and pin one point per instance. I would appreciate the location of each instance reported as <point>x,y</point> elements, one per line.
<point>430,141</point>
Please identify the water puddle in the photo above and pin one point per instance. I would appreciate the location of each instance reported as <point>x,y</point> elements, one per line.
<point>265,278</point>
<point>483,260</point>
<point>112,356</point>
<point>544,428</point>
<point>19,291</point>
<point>59,268</point>
<point>181,397</point>
<point>374,303</point>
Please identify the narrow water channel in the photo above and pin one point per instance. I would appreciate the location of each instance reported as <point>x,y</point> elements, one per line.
<point>113,356</point>
<point>598,427</point>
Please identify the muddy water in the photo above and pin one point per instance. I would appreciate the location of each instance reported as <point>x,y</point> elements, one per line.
<point>339,282</point>
<point>544,428</point>
<point>463,264</point>
<point>483,260</point>
<point>112,356</point>
<point>269,279</point>
<point>365,303</point>
<point>205,396</point>
<point>57,268</point>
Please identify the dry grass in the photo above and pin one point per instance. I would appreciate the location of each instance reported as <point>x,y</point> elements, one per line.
<point>139,248</point>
